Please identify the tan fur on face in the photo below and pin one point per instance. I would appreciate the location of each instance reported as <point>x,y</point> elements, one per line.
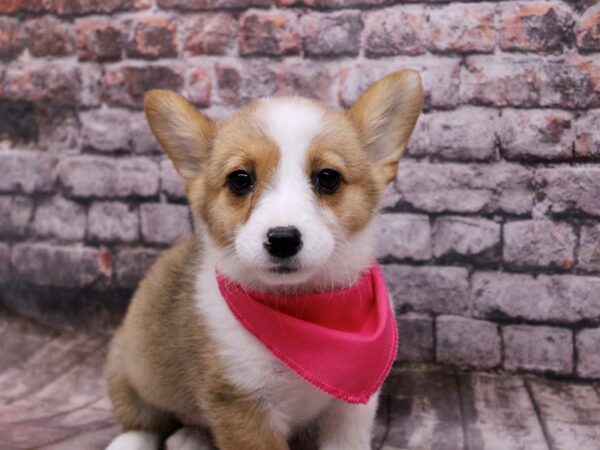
<point>338,148</point>
<point>364,145</point>
<point>240,144</point>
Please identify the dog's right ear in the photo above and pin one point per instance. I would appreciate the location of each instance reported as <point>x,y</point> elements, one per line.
<point>182,131</point>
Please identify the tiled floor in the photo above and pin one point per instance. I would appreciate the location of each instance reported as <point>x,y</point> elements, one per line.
<point>52,397</point>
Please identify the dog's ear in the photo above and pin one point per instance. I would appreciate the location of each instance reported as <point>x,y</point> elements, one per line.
<point>385,117</point>
<point>182,131</point>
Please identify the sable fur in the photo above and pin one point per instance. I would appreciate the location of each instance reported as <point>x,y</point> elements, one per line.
<point>159,373</point>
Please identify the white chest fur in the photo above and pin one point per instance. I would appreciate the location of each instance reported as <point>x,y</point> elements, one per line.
<point>290,400</point>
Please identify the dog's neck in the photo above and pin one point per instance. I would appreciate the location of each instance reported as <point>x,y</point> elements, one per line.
<point>342,270</point>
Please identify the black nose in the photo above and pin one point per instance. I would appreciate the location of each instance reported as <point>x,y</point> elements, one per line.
<point>283,242</point>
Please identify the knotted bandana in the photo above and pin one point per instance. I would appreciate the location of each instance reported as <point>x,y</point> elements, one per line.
<point>342,342</point>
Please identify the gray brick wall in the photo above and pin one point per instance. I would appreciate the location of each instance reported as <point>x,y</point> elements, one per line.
<point>491,234</point>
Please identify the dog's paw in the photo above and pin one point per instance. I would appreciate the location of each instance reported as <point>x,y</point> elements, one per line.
<point>134,440</point>
<point>189,438</point>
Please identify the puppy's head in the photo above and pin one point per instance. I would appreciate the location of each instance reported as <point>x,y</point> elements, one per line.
<point>286,189</point>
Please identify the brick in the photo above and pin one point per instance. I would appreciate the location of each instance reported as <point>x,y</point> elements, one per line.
<point>98,40</point>
<point>132,264</point>
<point>47,36</point>
<point>536,134</point>
<point>26,171</point>
<point>583,5</point>
<point>415,338</point>
<point>480,188</point>
<point>331,4</point>
<point>500,81</point>
<point>390,197</point>
<point>125,86</point>
<point>463,28</point>
<point>539,243</point>
<point>228,82</point>
<point>210,34</point>
<point>304,79</point>
<point>534,26</point>
<point>404,236</point>
<point>331,34</point>
<point>239,84</point>
<point>12,38</point>
<point>572,82</point>
<point>142,139</point>
<point>466,236</point>
<point>15,213</point>
<point>588,30</point>
<point>164,223</point>
<point>91,84</point>
<point>588,353</point>
<point>396,31</point>
<point>106,130</point>
<point>440,80</point>
<point>18,122</point>
<point>5,269</point>
<point>438,290</point>
<point>68,7</point>
<point>90,176</point>
<point>38,81</point>
<point>454,135</point>
<point>269,33</point>
<point>570,189</point>
<point>151,37</point>
<point>113,222</point>
<point>198,85</point>
<point>59,218</point>
<point>171,182</point>
<point>556,298</point>
<point>31,6</point>
<point>547,349</point>
<point>589,248</point>
<point>587,134</point>
<point>58,128</point>
<point>201,5</point>
<point>356,79</point>
<point>463,341</point>
<point>56,266</point>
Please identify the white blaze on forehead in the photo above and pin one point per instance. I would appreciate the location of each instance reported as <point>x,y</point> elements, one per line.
<point>288,199</point>
<point>292,123</point>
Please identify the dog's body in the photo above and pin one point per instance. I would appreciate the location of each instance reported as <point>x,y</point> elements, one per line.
<point>288,165</point>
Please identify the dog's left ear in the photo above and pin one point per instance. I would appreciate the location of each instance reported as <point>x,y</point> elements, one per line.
<point>182,131</point>
<point>385,117</point>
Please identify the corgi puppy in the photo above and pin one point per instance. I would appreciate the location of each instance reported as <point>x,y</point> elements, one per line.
<point>284,197</point>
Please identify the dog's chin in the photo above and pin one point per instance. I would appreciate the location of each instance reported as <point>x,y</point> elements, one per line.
<point>284,275</point>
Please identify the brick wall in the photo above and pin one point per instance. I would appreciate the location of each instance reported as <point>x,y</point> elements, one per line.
<point>491,237</point>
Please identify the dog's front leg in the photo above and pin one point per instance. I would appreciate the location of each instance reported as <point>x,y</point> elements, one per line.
<point>346,426</point>
<point>241,422</point>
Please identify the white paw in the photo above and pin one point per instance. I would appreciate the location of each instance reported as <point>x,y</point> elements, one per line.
<point>188,438</point>
<point>134,440</point>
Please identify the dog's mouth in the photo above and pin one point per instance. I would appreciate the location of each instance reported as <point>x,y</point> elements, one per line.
<point>284,268</point>
<point>284,273</point>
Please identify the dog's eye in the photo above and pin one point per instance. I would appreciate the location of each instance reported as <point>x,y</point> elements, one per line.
<point>240,182</point>
<point>327,181</point>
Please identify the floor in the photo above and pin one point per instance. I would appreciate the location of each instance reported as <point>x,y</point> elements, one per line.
<point>52,397</point>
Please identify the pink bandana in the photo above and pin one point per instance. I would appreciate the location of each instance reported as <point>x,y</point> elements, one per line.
<point>342,342</point>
